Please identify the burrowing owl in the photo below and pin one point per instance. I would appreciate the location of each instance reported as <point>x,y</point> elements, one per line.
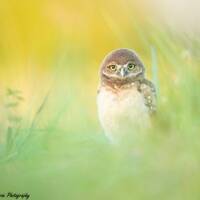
<point>126,99</point>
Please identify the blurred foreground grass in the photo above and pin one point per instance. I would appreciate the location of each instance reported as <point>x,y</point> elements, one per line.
<point>61,153</point>
<point>51,143</point>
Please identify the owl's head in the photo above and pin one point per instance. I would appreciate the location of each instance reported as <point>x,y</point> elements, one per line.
<point>121,66</point>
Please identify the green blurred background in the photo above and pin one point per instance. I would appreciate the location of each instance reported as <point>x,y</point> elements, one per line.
<point>51,143</point>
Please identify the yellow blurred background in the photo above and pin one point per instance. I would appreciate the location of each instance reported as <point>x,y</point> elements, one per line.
<point>44,41</point>
<point>40,39</point>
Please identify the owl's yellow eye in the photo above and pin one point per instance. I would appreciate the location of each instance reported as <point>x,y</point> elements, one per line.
<point>112,67</point>
<point>131,66</point>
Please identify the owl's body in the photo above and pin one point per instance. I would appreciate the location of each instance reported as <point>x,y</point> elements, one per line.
<point>124,104</point>
<point>121,110</point>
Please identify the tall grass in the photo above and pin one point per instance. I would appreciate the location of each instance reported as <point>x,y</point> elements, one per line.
<point>56,149</point>
<point>68,157</point>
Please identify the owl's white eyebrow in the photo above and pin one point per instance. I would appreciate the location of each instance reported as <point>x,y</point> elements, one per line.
<point>125,65</point>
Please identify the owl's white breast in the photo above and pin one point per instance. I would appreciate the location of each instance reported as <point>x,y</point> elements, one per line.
<point>121,111</point>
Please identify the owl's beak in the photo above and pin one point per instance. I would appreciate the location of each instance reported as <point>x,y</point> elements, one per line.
<point>122,72</point>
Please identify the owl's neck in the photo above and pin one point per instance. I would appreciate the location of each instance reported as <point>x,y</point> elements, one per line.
<point>114,86</point>
<point>121,84</point>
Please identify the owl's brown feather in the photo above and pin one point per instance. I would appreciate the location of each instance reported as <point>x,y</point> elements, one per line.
<point>148,90</point>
